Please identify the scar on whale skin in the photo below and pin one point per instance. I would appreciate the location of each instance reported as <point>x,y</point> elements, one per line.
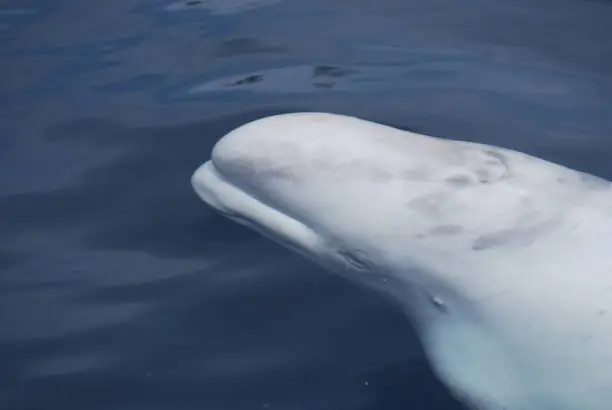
<point>509,237</point>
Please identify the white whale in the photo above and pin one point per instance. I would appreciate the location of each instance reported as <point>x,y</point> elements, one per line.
<point>502,261</point>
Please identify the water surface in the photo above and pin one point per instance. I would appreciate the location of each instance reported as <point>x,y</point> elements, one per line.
<point>120,290</point>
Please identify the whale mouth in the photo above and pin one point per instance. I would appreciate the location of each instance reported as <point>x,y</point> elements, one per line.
<point>235,203</point>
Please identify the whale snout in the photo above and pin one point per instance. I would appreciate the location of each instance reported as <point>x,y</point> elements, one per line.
<point>282,148</point>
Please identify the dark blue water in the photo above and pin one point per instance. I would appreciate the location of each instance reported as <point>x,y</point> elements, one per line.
<point>120,289</point>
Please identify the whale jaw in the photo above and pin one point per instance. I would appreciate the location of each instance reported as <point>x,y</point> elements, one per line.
<point>471,361</point>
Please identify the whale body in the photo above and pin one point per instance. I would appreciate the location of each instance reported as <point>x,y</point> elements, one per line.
<point>501,261</point>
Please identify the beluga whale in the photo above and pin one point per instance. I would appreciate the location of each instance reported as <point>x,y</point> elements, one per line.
<point>501,261</point>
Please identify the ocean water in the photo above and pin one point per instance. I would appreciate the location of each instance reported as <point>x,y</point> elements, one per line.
<point>121,290</point>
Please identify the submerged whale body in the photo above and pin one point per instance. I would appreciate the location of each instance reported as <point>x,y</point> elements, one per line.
<point>500,260</point>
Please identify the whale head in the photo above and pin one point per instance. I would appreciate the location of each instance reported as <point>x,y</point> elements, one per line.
<point>363,198</point>
<point>440,226</point>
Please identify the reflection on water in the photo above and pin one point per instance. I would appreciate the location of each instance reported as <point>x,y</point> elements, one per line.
<point>120,289</point>
<point>447,75</point>
<point>219,7</point>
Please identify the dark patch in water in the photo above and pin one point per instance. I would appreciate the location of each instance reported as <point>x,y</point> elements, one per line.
<point>242,46</point>
<point>331,71</point>
<point>133,84</point>
<point>251,79</point>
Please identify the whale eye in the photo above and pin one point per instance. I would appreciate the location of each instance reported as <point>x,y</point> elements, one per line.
<point>355,259</point>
